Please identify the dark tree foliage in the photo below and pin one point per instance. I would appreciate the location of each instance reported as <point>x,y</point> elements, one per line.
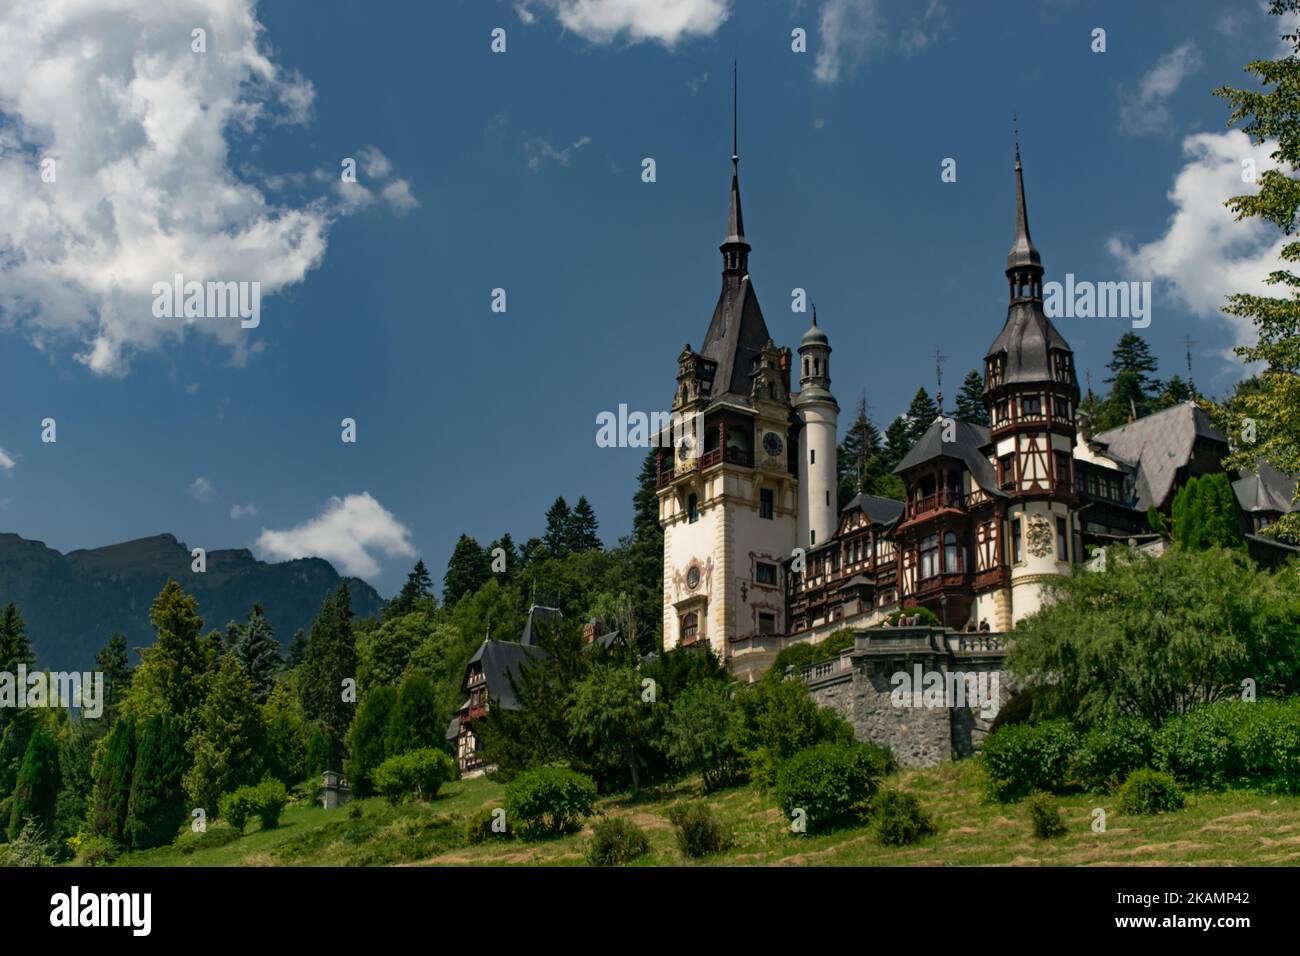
<point>970,400</point>
<point>178,655</point>
<point>367,749</point>
<point>415,723</point>
<point>583,527</point>
<point>113,782</point>
<point>858,458</point>
<point>330,660</point>
<point>77,781</point>
<point>468,570</point>
<point>559,529</point>
<point>297,649</point>
<point>1134,386</point>
<point>258,653</point>
<point>416,593</point>
<point>36,793</point>
<point>112,662</point>
<point>156,806</point>
<point>920,416</point>
<point>509,554</point>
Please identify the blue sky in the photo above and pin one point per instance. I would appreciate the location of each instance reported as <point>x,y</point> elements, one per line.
<point>522,171</point>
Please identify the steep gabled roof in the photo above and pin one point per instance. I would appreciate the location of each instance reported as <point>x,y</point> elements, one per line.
<point>882,511</point>
<point>737,333</point>
<point>500,661</point>
<point>539,616</point>
<point>1266,490</point>
<point>968,440</point>
<point>1161,444</point>
<point>1027,337</point>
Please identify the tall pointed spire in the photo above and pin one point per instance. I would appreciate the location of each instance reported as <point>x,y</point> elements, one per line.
<point>735,250</point>
<point>1024,264</point>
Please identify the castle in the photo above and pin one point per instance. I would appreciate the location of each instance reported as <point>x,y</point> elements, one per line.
<point>757,553</point>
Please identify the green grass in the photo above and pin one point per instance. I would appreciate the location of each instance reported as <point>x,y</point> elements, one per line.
<point>1233,828</point>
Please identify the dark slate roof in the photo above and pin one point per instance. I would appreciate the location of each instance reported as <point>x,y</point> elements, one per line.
<point>500,661</point>
<point>1266,490</point>
<point>967,441</point>
<point>453,728</point>
<point>537,614</point>
<point>606,640</point>
<point>1161,444</point>
<point>879,510</point>
<point>737,333</point>
<point>1026,337</point>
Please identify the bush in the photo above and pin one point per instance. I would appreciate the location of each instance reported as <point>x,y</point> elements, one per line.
<point>831,783</point>
<point>699,832</point>
<point>778,719</point>
<point>805,653</point>
<point>1234,744</point>
<point>28,848</point>
<point>90,850</point>
<point>900,821</point>
<point>1197,747</point>
<point>924,616</point>
<point>702,731</point>
<point>1150,791</point>
<point>355,812</point>
<point>1111,751</point>
<point>549,801</point>
<point>478,828</point>
<point>416,773</point>
<point>1045,816</point>
<point>265,800</point>
<point>616,841</point>
<point>1023,758</point>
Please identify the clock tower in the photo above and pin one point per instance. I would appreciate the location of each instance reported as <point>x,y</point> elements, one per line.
<point>729,509</point>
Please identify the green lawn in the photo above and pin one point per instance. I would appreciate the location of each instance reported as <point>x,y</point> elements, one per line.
<point>1238,827</point>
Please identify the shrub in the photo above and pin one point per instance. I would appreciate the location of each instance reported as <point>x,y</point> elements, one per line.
<point>1268,740</point>
<point>699,831</point>
<point>1197,747</point>
<point>1111,751</point>
<point>416,773</point>
<point>831,783</point>
<point>1045,816</point>
<point>478,828</point>
<point>1023,758</point>
<point>1150,791</point>
<point>264,800</point>
<point>923,615</point>
<point>805,653</point>
<point>549,801</point>
<point>91,850</point>
<point>355,812</point>
<point>899,819</point>
<point>779,719</point>
<point>701,734</point>
<point>28,848</point>
<point>616,841</point>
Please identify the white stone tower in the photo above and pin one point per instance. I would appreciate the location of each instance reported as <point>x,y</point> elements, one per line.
<point>818,414</point>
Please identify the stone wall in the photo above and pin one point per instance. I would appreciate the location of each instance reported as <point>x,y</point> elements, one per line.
<point>928,723</point>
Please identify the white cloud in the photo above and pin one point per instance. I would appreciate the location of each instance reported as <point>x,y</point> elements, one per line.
<point>398,196</point>
<point>243,511</point>
<point>925,29</point>
<point>848,30</point>
<point>374,163</point>
<point>1146,110</point>
<point>603,21</point>
<point>201,489</point>
<point>141,130</point>
<point>346,532</point>
<point>542,151</point>
<point>6,460</point>
<point>1206,255</point>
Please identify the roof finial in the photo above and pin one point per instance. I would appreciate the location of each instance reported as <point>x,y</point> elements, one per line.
<point>814,305</point>
<point>735,142</point>
<point>1015,125</point>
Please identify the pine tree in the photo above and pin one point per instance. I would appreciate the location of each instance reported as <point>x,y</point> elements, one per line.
<point>297,649</point>
<point>286,736</point>
<point>36,794</point>
<point>1265,423</point>
<point>898,442</point>
<point>584,529</point>
<point>228,740</point>
<point>178,660</point>
<point>468,570</point>
<point>15,647</point>
<point>532,551</point>
<point>1171,393</point>
<point>558,524</point>
<point>970,400</point>
<point>112,662</point>
<point>156,807</point>
<point>1132,380</point>
<point>113,781</point>
<point>76,779</point>
<point>920,416</point>
<point>367,749</point>
<point>511,557</point>
<point>856,456</point>
<point>331,659</point>
<point>414,723</point>
<point>645,502</point>
<point>258,653</point>
<point>417,590</point>
<point>15,725</point>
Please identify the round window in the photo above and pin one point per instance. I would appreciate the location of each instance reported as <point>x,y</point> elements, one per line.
<point>693,578</point>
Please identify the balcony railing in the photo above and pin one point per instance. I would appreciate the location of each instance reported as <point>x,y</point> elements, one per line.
<point>937,501</point>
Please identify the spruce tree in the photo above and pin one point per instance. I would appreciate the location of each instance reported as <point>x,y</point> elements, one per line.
<point>468,570</point>
<point>920,416</point>
<point>510,554</point>
<point>113,781</point>
<point>970,400</point>
<point>286,736</point>
<point>645,502</point>
<point>112,662</point>
<point>558,525</point>
<point>856,455</point>
<point>1132,380</point>
<point>36,793</point>
<point>368,750</point>
<point>15,647</point>
<point>331,659</point>
<point>258,653</point>
<point>898,442</point>
<point>156,807</point>
<point>227,745</point>
<point>417,590</point>
<point>178,659</point>
<point>297,649</point>
<point>583,527</point>
<point>415,722</point>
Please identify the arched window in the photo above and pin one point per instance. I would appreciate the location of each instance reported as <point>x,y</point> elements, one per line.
<point>690,628</point>
<point>950,563</point>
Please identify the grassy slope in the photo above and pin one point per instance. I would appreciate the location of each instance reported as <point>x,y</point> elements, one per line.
<point>1214,829</point>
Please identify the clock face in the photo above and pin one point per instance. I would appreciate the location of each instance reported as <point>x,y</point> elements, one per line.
<point>772,444</point>
<point>693,578</point>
